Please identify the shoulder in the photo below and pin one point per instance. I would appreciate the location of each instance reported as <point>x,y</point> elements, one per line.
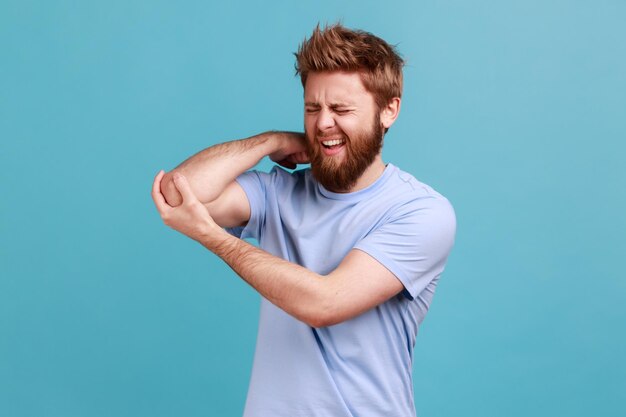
<point>288,182</point>
<point>417,205</point>
<point>413,193</point>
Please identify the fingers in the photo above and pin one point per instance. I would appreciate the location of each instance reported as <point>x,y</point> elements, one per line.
<point>287,164</point>
<point>298,158</point>
<point>183,187</point>
<point>158,198</point>
<point>301,158</point>
<point>294,159</point>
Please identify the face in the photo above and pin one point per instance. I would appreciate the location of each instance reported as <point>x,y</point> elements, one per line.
<point>343,128</point>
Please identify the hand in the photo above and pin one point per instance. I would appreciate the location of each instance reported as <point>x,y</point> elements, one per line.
<point>191,218</point>
<point>292,150</point>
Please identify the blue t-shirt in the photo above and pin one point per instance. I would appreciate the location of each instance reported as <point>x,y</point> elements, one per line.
<point>360,367</point>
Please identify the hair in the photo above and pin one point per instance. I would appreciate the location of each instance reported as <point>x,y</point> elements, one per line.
<point>337,48</point>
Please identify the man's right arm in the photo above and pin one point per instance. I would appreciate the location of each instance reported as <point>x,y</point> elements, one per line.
<point>211,173</point>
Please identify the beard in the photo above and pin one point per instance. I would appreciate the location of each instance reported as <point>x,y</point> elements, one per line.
<point>360,151</point>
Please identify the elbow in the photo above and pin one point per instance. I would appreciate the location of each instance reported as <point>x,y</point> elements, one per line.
<point>170,192</point>
<point>325,321</point>
<point>323,314</point>
<point>317,321</point>
<point>323,305</point>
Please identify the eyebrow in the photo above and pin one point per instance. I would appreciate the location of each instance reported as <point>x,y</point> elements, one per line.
<point>333,105</point>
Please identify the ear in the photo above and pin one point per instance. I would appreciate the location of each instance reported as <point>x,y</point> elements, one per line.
<point>390,112</point>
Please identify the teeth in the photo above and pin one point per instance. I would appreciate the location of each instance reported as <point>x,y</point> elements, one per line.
<point>332,142</point>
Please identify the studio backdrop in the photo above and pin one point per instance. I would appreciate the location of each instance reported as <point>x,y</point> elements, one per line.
<point>514,110</point>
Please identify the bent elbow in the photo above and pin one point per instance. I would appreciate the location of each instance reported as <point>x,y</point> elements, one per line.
<point>323,316</point>
<point>324,307</point>
<point>170,192</point>
<point>317,323</point>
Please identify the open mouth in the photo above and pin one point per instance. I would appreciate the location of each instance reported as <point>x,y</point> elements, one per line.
<point>333,144</point>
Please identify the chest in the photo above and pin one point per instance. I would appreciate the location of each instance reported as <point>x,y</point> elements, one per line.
<point>318,234</point>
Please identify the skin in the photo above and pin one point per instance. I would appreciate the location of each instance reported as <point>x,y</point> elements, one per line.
<point>200,197</point>
<point>337,106</point>
<point>341,115</point>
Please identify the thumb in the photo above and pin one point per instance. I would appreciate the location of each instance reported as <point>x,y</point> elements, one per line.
<point>182,185</point>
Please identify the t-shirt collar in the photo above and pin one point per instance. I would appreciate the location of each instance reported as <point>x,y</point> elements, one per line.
<point>389,169</point>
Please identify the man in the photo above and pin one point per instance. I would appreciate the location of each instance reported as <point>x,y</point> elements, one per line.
<point>350,250</point>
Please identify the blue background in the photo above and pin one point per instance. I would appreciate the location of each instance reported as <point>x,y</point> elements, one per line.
<point>515,110</point>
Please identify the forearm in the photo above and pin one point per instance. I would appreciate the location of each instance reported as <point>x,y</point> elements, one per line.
<point>298,291</point>
<point>357,284</point>
<point>211,170</point>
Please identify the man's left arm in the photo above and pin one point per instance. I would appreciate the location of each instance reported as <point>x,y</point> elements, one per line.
<point>358,284</point>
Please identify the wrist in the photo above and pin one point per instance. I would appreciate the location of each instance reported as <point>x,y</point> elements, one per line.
<point>281,144</point>
<point>215,238</point>
<point>275,141</point>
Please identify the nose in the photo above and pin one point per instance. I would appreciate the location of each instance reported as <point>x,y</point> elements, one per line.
<point>325,120</point>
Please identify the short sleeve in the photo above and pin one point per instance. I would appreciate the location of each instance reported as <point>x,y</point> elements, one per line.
<point>414,243</point>
<point>257,185</point>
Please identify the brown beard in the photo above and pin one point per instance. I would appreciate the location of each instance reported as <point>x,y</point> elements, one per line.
<point>360,152</point>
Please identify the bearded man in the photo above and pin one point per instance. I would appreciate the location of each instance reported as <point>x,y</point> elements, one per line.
<point>350,250</point>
